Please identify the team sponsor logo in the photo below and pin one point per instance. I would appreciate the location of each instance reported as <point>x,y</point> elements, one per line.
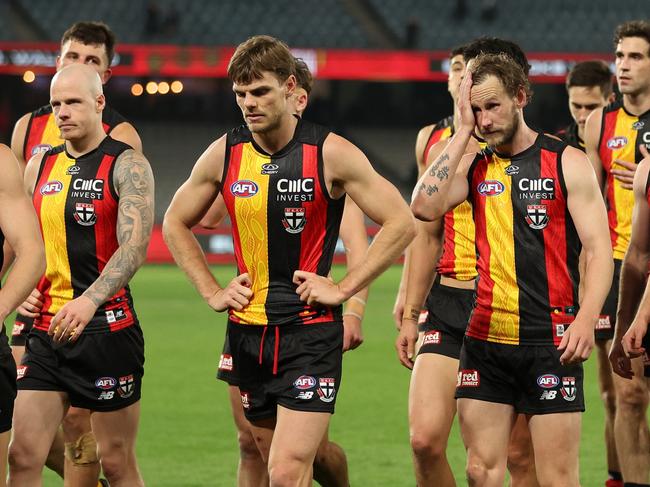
<point>17,329</point>
<point>21,370</point>
<point>37,149</point>
<point>548,395</point>
<point>225,362</point>
<point>84,214</point>
<point>295,189</point>
<point>603,323</point>
<point>424,314</point>
<point>89,189</point>
<point>106,395</point>
<point>490,188</point>
<point>646,139</point>
<point>468,378</point>
<point>536,217</point>
<point>326,389</point>
<point>105,383</point>
<point>306,395</point>
<point>638,125</point>
<point>245,400</point>
<point>559,330</point>
<point>270,168</point>
<point>511,170</point>
<point>244,188</point>
<point>73,170</point>
<point>294,220</point>
<point>432,337</point>
<point>126,387</point>
<point>568,388</point>
<point>51,187</point>
<point>536,188</point>
<point>548,381</point>
<point>304,382</point>
<point>617,142</point>
<point>115,315</point>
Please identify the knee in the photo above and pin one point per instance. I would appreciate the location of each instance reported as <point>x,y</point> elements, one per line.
<point>520,459</point>
<point>428,446</point>
<point>115,457</point>
<point>287,473</point>
<point>21,457</point>
<point>247,447</point>
<point>632,398</point>
<point>476,471</point>
<point>75,424</point>
<point>609,401</point>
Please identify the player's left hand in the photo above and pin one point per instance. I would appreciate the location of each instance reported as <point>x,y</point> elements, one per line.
<point>72,318</point>
<point>577,343</point>
<point>632,341</point>
<point>352,332</point>
<point>626,174</point>
<point>314,289</point>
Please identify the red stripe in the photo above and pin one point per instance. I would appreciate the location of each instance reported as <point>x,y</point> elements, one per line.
<point>313,237</point>
<point>560,285</point>
<point>233,172</point>
<point>609,126</point>
<point>44,286</point>
<point>447,263</point>
<point>479,326</point>
<point>433,138</point>
<point>35,137</point>
<point>106,210</point>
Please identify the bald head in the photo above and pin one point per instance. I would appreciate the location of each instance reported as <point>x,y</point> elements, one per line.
<point>81,76</point>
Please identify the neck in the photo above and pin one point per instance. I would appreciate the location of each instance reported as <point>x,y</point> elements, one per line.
<point>581,131</point>
<point>83,145</point>
<point>637,104</point>
<point>524,137</point>
<point>274,140</point>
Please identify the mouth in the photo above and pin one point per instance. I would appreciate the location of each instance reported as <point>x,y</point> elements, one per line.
<point>254,117</point>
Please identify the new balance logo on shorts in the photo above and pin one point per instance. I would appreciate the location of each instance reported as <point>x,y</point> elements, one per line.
<point>432,337</point>
<point>468,378</point>
<point>548,395</point>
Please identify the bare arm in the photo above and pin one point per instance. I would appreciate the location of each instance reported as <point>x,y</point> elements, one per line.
<point>20,227</point>
<point>589,216</point>
<point>135,185</point>
<point>592,136</point>
<point>215,214</point>
<point>125,132</point>
<point>18,139</point>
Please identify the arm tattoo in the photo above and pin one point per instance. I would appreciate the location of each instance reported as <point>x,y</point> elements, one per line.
<point>428,189</point>
<point>443,173</point>
<point>134,182</point>
<point>436,165</point>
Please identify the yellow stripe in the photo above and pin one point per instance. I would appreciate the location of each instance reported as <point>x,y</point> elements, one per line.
<point>51,133</point>
<point>504,324</point>
<point>464,248</point>
<point>54,234</point>
<point>623,198</point>
<point>446,133</point>
<point>252,226</point>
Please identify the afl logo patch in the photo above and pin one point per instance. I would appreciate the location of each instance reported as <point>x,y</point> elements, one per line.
<point>490,188</point>
<point>51,187</point>
<point>617,142</point>
<point>244,188</point>
<point>37,149</point>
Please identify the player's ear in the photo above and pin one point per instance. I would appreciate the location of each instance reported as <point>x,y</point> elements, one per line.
<point>290,85</point>
<point>521,98</point>
<point>106,75</point>
<point>100,102</point>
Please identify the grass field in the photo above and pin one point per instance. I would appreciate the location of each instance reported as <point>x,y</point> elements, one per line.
<point>187,438</point>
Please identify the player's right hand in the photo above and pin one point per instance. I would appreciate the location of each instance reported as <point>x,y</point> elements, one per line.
<point>466,114</point>
<point>235,295</point>
<point>621,364</point>
<point>405,343</point>
<point>632,341</point>
<point>32,306</point>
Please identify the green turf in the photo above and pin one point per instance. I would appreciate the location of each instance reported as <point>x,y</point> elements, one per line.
<point>187,438</point>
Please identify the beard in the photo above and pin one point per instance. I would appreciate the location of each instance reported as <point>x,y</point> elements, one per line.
<point>505,135</point>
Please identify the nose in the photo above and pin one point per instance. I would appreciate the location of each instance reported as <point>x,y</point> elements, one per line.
<point>63,112</point>
<point>249,101</point>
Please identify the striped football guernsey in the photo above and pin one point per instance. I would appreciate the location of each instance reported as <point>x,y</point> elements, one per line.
<point>527,246</point>
<point>620,136</point>
<point>43,134</point>
<point>76,203</point>
<point>458,259</point>
<point>283,219</point>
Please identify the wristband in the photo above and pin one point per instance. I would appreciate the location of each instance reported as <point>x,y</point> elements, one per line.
<point>411,313</point>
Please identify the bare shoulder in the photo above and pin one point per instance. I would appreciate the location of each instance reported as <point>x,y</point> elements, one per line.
<point>577,169</point>
<point>341,157</point>
<point>133,173</point>
<point>126,132</point>
<point>18,136</point>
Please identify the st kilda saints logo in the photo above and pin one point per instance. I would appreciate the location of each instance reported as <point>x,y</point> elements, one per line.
<point>294,220</point>
<point>536,216</point>
<point>84,214</point>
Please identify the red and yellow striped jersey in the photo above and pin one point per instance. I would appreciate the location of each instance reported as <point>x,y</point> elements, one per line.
<point>620,136</point>
<point>527,246</point>
<point>42,133</point>
<point>283,219</point>
<point>76,203</point>
<point>458,259</point>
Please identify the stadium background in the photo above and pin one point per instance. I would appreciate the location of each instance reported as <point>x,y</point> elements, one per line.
<point>380,75</point>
